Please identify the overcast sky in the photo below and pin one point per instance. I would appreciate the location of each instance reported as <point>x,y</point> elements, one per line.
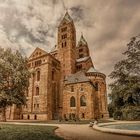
<point>107,26</point>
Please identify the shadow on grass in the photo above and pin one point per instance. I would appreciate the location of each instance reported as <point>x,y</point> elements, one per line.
<point>20,132</point>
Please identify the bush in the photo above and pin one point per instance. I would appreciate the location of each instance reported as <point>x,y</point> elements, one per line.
<point>117,115</point>
<point>110,110</point>
<point>131,113</point>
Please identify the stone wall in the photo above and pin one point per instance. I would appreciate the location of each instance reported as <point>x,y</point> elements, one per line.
<point>80,89</point>
<point>101,94</point>
<point>45,103</point>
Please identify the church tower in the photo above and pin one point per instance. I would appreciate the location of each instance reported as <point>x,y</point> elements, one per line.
<point>67,46</point>
<point>83,61</point>
<point>82,48</point>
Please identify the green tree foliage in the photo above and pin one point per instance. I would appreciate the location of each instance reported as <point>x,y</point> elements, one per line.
<point>110,110</point>
<point>126,86</point>
<point>13,79</point>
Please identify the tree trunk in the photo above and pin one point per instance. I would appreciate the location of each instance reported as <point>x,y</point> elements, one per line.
<point>3,114</point>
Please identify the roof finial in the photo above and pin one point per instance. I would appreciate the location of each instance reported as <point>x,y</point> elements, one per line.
<point>64,5</point>
<point>66,9</point>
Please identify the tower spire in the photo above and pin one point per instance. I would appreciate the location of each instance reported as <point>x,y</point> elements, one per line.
<point>82,40</point>
<point>67,16</point>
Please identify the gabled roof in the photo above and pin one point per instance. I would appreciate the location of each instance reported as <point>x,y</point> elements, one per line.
<point>76,78</point>
<point>67,18</point>
<point>37,53</point>
<point>82,41</point>
<point>82,59</point>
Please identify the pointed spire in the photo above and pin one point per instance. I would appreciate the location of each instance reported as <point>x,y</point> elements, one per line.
<point>66,19</point>
<point>67,16</point>
<point>82,40</point>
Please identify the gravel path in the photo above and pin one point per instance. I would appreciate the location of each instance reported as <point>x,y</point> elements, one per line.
<point>83,132</point>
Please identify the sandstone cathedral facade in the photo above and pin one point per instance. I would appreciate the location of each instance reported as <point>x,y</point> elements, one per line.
<point>64,83</point>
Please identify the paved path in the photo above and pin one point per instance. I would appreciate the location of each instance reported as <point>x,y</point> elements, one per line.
<point>81,132</point>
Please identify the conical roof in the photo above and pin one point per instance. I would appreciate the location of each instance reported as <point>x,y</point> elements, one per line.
<point>92,69</point>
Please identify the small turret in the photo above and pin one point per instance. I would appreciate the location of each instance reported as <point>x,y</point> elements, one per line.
<point>82,48</point>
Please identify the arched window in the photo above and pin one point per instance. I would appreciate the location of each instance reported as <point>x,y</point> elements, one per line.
<point>83,115</point>
<point>38,75</point>
<point>72,102</point>
<point>83,100</point>
<point>35,117</point>
<point>37,91</point>
<point>96,86</point>
<point>52,75</point>
<point>65,44</point>
<point>81,88</point>
<point>81,55</point>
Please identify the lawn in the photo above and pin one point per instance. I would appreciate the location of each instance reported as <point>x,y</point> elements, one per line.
<point>62,122</point>
<point>26,132</point>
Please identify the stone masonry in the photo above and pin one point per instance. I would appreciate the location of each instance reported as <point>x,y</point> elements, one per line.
<point>64,83</point>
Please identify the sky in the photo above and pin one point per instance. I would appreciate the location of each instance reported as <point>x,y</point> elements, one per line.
<point>106,25</point>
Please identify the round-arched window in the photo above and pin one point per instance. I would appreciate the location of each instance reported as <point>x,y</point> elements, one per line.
<point>38,75</point>
<point>72,102</point>
<point>96,86</point>
<point>83,101</point>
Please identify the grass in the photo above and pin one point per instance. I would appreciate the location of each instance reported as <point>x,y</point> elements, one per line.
<point>26,132</point>
<point>62,122</point>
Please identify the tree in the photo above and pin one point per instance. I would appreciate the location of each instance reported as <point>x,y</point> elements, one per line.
<point>126,86</point>
<point>110,110</point>
<point>14,76</point>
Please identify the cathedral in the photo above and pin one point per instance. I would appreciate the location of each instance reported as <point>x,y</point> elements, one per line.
<point>64,83</point>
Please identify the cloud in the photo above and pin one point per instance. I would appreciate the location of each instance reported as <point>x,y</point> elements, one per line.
<point>106,25</point>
